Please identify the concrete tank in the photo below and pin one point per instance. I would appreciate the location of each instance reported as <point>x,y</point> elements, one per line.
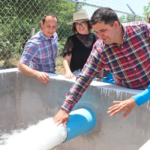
<point>24,100</point>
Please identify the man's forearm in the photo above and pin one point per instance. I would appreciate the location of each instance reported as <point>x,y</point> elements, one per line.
<point>27,70</point>
<point>83,80</point>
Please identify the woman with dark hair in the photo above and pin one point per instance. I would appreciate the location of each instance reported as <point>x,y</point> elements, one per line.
<point>78,46</point>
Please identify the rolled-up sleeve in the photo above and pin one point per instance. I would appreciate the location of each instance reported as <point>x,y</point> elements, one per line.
<point>92,67</point>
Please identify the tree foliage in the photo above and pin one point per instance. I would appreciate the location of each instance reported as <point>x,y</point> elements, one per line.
<point>147,9</point>
<point>130,18</point>
<point>18,17</point>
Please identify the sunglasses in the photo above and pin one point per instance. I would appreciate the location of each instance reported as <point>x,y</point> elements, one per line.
<point>82,24</point>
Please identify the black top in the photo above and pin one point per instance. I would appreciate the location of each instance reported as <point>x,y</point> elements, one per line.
<point>80,46</point>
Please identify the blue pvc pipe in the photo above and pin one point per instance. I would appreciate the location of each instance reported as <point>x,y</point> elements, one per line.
<point>81,121</point>
<point>109,79</point>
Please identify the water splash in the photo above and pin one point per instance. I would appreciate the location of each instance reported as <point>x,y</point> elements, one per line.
<point>42,136</point>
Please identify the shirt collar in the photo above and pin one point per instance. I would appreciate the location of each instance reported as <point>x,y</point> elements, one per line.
<point>125,33</point>
<point>45,37</point>
<point>124,36</point>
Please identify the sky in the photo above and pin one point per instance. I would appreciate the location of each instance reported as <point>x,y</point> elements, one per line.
<point>136,5</point>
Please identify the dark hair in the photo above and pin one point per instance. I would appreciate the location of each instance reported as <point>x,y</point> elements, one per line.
<point>52,15</point>
<point>148,15</point>
<point>74,30</point>
<point>105,14</point>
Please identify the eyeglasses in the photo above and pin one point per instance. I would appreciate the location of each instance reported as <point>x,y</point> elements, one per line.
<point>82,24</point>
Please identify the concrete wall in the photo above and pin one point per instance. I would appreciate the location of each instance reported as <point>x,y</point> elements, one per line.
<point>24,100</point>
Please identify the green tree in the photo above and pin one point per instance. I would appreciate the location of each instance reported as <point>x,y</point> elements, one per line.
<point>130,18</point>
<point>146,10</point>
<point>18,17</point>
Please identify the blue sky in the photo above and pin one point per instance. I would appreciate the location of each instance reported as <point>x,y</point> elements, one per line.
<point>136,5</point>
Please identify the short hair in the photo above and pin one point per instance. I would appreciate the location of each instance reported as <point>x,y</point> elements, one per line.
<point>105,14</point>
<point>74,30</point>
<point>52,15</point>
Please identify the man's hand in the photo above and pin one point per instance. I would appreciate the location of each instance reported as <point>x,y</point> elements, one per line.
<point>43,77</point>
<point>122,106</point>
<point>69,75</point>
<point>61,117</point>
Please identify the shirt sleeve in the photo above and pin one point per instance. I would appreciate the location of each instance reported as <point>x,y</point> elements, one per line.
<point>29,52</point>
<point>68,47</point>
<point>93,65</point>
<point>55,48</point>
<point>142,97</point>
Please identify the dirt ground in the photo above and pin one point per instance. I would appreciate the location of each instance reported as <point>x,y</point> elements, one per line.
<point>59,66</point>
<point>13,63</point>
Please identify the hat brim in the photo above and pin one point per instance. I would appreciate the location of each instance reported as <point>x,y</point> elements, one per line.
<point>70,23</point>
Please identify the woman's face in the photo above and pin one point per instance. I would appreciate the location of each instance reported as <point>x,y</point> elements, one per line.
<point>82,27</point>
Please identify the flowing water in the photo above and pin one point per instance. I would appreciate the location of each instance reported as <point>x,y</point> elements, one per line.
<point>43,136</point>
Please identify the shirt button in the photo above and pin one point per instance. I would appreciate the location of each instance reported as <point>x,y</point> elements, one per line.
<point>122,46</point>
<point>134,68</point>
<point>128,58</point>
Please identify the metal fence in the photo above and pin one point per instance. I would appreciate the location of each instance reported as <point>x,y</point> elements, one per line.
<point>20,19</point>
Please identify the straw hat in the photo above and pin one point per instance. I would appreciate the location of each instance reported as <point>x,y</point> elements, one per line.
<point>79,16</point>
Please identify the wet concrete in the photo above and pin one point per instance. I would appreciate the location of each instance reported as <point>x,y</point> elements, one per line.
<point>24,100</point>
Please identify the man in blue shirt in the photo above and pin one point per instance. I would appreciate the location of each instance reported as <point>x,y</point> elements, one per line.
<point>40,52</point>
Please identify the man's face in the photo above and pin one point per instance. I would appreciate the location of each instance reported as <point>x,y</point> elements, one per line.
<point>148,18</point>
<point>105,32</point>
<point>49,26</point>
